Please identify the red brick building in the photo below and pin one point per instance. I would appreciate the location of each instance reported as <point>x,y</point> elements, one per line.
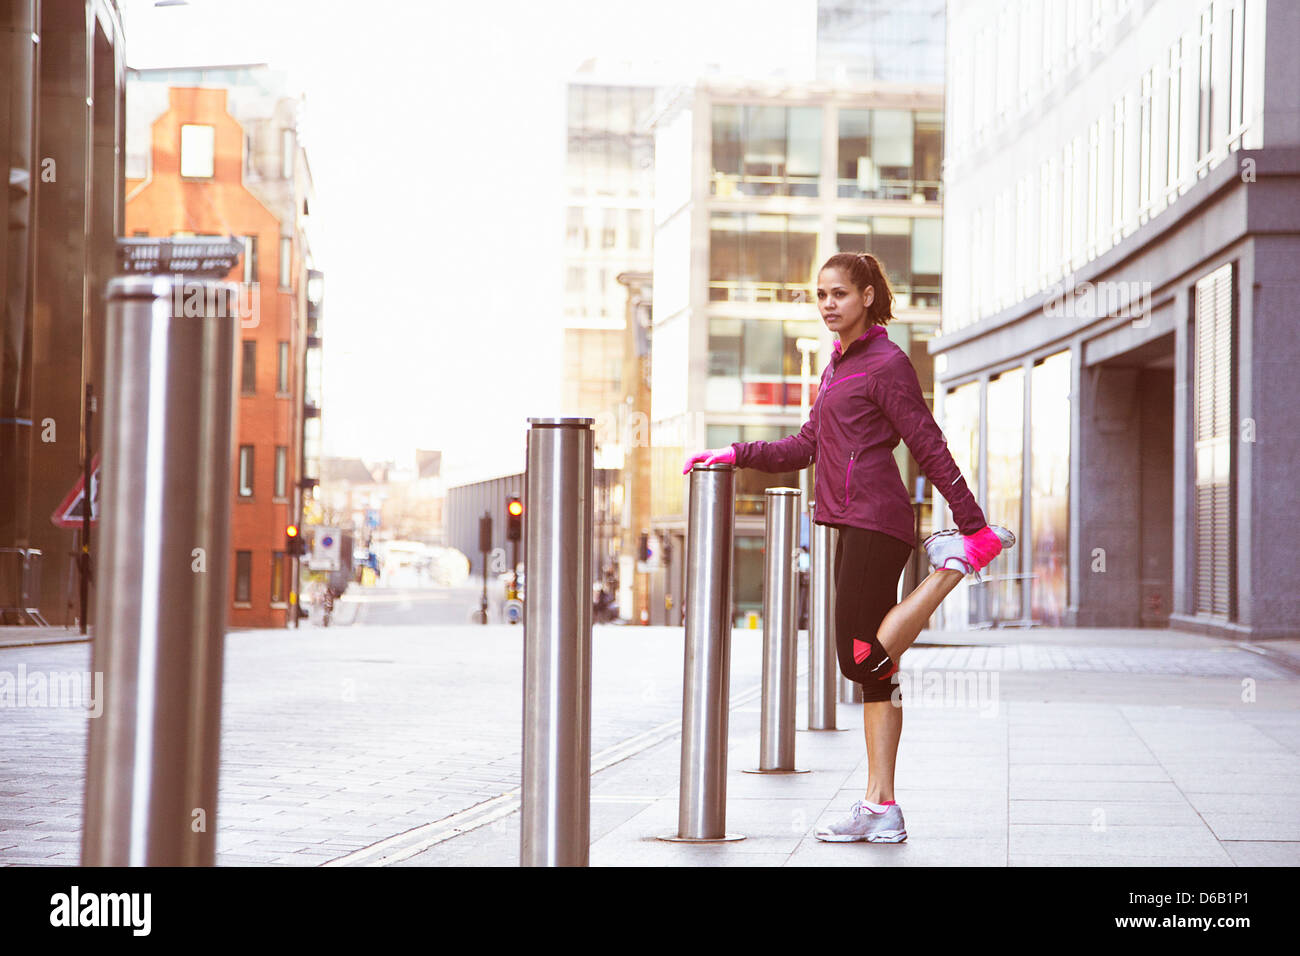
<point>223,158</point>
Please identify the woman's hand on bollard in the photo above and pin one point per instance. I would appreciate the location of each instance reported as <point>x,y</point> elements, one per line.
<point>723,456</point>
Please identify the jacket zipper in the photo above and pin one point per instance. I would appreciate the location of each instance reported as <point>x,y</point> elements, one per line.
<point>847,474</point>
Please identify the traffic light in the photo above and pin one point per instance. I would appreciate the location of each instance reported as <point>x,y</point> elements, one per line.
<point>643,551</point>
<point>294,545</point>
<point>514,518</point>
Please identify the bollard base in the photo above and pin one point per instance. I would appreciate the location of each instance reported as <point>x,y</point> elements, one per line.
<point>674,838</point>
<point>773,770</point>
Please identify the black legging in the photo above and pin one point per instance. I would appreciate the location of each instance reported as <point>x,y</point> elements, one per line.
<point>867,566</point>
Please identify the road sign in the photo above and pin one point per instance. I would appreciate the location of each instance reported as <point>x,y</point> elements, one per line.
<point>68,513</point>
<point>325,549</point>
<point>514,611</point>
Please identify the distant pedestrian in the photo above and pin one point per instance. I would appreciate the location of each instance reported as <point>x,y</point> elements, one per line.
<point>868,399</point>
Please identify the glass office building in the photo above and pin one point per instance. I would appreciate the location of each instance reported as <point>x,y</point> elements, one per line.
<point>755,189</point>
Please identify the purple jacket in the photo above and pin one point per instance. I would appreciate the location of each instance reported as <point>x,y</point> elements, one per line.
<point>868,399</point>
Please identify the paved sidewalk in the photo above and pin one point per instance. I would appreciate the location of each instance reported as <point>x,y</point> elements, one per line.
<point>400,745</point>
<point>13,635</point>
<point>1110,754</point>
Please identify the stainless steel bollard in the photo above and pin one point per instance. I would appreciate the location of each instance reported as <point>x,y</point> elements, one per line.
<point>850,691</point>
<point>706,679</point>
<point>780,638</point>
<point>164,559</point>
<point>555,812</point>
<point>823,668</point>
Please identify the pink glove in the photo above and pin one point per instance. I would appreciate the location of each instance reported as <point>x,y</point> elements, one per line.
<point>717,456</point>
<point>982,547</point>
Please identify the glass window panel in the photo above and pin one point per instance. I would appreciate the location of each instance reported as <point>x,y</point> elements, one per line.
<point>761,248</point>
<point>248,369</point>
<point>852,235</point>
<point>891,244</point>
<point>277,577</point>
<point>764,146</point>
<point>761,353</point>
<point>892,142</point>
<point>243,576</point>
<point>724,347</point>
<point>724,247</point>
<point>281,470</point>
<point>927,246</point>
<point>245,471</point>
<point>855,141</point>
<point>282,367</point>
<point>805,156</point>
<point>801,250</point>
<point>1005,418</point>
<point>198,144</point>
<point>928,157</point>
<point>1050,493</point>
<point>726,140</point>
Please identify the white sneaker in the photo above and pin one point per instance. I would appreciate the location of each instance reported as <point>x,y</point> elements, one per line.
<point>947,549</point>
<point>864,824</point>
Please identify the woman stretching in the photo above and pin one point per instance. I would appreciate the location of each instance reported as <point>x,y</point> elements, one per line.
<point>868,399</point>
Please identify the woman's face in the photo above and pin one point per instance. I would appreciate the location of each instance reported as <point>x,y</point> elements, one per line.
<point>843,307</point>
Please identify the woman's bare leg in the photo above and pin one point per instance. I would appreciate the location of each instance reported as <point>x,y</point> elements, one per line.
<point>905,620</point>
<point>882,723</point>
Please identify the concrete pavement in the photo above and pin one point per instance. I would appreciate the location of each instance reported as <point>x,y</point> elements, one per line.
<point>363,745</point>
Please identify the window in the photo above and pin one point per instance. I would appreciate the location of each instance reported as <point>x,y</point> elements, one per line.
<point>248,373</point>
<point>286,262</point>
<point>282,368</point>
<point>609,229</point>
<point>890,154</point>
<point>1173,170</point>
<point>1117,168</point>
<point>1144,142</point>
<point>243,577</point>
<point>1236,113</point>
<point>574,233</point>
<point>1049,500</point>
<point>575,279</point>
<point>250,258</point>
<point>1044,222</point>
<point>766,150</point>
<point>1005,440</point>
<point>1212,408</point>
<point>198,145</point>
<point>762,257</point>
<point>634,217</point>
<point>1094,185</point>
<point>927,256</point>
<point>1067,203</point>
<point>281,471</point>
<point>1205,89</point>
<point>277,577</point>
<point>286,153</point>
<point>245,471</point>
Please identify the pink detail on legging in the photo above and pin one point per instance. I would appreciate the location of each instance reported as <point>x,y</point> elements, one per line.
<point>861,651</point>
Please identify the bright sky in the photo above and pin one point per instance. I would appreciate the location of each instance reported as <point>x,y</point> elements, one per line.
<point>435,132</point>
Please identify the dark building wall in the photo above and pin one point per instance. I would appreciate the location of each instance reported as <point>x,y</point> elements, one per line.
<point>80,104</point>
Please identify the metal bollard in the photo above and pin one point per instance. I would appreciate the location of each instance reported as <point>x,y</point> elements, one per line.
<point>850,691</point>
<point>555,824</point>
<point>823,668</point>
<point>706,679</point>
<point>780,639</point>
<point>164,555</point>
